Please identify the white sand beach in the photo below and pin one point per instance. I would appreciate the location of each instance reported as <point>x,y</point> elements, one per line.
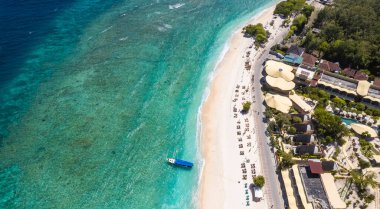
<point>222,183</point>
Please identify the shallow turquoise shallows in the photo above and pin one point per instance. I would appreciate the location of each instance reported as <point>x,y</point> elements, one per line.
<point>100,101</point>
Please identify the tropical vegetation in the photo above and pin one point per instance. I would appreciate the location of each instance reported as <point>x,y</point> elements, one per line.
<point>349,34</point>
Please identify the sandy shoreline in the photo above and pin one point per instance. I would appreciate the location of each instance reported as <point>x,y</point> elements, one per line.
<point>221,185</point>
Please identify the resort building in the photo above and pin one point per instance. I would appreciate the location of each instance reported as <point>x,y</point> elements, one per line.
<point>308,61</point>
<point>376,82</point>
<point>311,187</point>
<point>295,50</point>
<point>307,149</point>
<point>299,186</point>
<point>358,75</point>
<point>304,139</point>
<point>300,104</point>
<point>303,128</point>
<point>304,117</point>
<point>292,59</point>
<point>315,166</point>
<point>312,184</point>
<point>305,73</point>
<point>325,65</point>
<point>329,166</point>
<point>350,89</point>
<point>332,192</point>
<point>293,199</point>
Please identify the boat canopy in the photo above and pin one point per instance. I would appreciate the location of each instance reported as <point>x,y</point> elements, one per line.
<point>183,163</point>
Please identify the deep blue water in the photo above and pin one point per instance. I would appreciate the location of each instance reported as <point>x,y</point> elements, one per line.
<point>96,94</point>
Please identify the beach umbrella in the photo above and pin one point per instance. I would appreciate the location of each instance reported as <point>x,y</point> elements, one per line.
<point>359,116</point>
<point>360,129</point>
<point>343,113</point>
<point>366,118</point>
<point>354,114</point>
<point>337,109</point>
<point>363,87</point>
<point>278,102</point>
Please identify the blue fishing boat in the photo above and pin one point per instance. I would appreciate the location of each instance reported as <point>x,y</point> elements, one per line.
<point>179,162</point>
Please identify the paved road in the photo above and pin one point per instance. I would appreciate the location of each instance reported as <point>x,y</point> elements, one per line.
<point>272,185</point>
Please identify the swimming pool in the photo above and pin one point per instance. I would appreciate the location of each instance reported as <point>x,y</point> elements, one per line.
<point>348,121</point>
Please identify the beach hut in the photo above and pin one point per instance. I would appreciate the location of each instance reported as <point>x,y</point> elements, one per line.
<point>360,129</point>
<point>278,102</point>
<point>258,193</point>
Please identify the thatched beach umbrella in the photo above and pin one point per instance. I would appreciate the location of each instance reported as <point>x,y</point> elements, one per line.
<point>278,102</point>
<point>280,83</point>
<point>360,129</point>
<point>363,87</point>
<point>279,70</point>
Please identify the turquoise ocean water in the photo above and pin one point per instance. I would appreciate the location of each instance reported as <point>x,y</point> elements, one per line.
<point>91,108</point>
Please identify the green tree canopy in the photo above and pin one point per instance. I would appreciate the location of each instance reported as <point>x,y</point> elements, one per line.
<point>288,7</point>
<point>338,102</point>
<point>257,31</point>
<point>246,106</point>
<point>307,10</point>
<point>296,119</point>
<point>300,22</point>
<point>286,160</point>
<point>351,28</point>
<point>259,181</point>
<point>329,125</point>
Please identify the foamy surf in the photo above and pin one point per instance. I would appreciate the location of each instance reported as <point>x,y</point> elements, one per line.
<point>176,6</point>
<point>123,38</point>
<point>107,29</point>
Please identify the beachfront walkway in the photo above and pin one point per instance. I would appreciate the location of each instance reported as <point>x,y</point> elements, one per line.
<point>255,156</point>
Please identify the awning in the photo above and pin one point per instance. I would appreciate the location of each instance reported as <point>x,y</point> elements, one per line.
<point>279,70</point>
<point>280,83</point>
<point>278,102</point>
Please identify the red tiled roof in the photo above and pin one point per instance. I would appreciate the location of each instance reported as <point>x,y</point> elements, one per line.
<point>308,59</point>
<point>361,76</point>
<point>329,66</point>
<point>317,76</point>
<point>313,83</point>
<point>315,166</point>
<point>349,72</point>
<point>377,82</point>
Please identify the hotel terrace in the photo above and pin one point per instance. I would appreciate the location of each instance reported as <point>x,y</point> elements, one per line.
<point>349,84</point>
